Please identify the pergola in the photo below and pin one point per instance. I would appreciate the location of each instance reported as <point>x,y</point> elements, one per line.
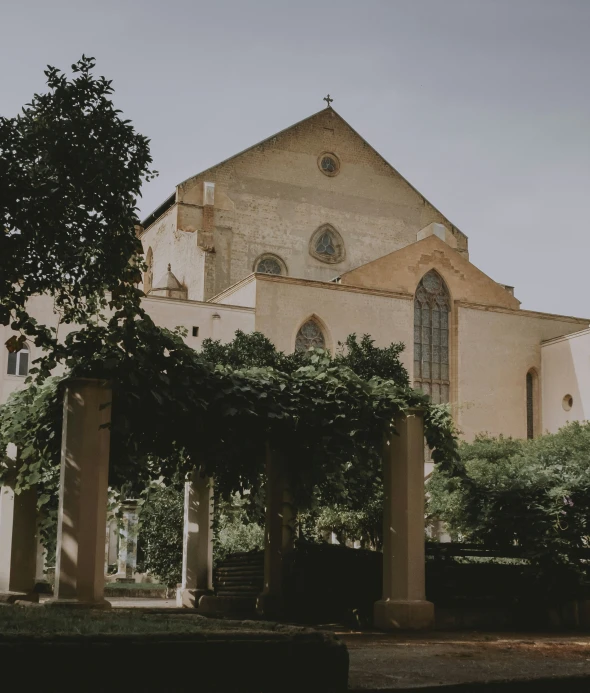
<point>80,579</point>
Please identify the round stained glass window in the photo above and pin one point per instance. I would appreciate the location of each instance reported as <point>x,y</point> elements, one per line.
<point>329,164</point>
<point>269,265</point>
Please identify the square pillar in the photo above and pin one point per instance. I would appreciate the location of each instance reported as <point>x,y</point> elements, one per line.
<point>83,489</point>
<point>197,541</point>
<point>279,535</point>
<point>404,605</point>
<point>18,544</point>
<point>127,558</point>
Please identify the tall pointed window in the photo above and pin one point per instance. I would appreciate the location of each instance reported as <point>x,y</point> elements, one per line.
<point>431,337</point>
<point>148,277</point>
<point>531,403</point>
<point>310,335</point>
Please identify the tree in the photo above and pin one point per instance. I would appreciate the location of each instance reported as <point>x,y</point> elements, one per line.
<point>70,172</point>
<point>534,494</point>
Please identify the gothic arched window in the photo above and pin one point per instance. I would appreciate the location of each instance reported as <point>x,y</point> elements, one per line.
<point>18,362</point>
<point>270,264</point>
<point>531,403</point>
<point>327,245</point>
<point>431,337</point>
<point>148,277</point>
<point>310,335</point>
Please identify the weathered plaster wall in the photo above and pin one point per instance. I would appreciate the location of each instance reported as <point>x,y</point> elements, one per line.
<point>177,248</point>
<point>496,349</point>
<point>271,199</point>
<point>566,371</point>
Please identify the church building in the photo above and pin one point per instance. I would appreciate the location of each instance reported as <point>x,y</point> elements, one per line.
<point>310,236</point>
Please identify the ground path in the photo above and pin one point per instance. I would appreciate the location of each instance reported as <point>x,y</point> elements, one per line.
<point>402,661</point>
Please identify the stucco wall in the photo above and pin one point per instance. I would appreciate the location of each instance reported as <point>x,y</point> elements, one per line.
<point>283,306</point>
<point>271,199</point>
<point>566,371</point>
<point>165,312</point>
<point>241,294</point>
<point>496,350</point>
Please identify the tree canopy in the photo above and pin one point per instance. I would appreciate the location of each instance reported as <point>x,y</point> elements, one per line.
<point>71,169</point>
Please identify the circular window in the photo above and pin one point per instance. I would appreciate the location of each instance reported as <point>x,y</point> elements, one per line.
<point>270,264</point>
<point>329,164</point>
<point>567,402</point>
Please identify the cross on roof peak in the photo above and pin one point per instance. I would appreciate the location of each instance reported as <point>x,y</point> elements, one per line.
<point>328,100</point>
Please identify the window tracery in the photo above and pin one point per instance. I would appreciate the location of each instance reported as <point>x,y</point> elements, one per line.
<point>310,335</point>
<point>431,337</point>
<point>270,264</point>
<point>326,244</point>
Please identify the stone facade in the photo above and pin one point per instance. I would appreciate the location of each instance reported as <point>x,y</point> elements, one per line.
<point>275,199</point>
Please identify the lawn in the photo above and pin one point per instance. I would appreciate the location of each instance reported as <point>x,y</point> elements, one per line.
<point>41,620</point>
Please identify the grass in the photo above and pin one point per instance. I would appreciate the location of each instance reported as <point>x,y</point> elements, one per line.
<point>40,620</point>
<point>134,586</point>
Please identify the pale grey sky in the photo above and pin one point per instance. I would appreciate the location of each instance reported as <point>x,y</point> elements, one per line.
<point>483,105</point>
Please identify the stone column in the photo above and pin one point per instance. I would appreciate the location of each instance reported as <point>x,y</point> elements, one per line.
<point>404,605</point>
<point>279,535</point>
<point>111,544</point>
<point>127,561</point>
<point>18,544</point>
<point>197,541</point>
<point>82,515</point>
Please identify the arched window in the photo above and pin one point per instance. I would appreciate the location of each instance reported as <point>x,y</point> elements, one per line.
<point>18,362</point>
<point>327,245</point>
<point>270,264</point>
<point>310,335</point>
<point>148,277</point>
<point>431,337</point>
<point>531,403</point>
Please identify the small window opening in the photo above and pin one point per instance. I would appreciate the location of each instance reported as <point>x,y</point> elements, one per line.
<point>195,331</point>
<point>18,362</point>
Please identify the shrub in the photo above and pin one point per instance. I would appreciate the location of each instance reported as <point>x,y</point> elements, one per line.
<point>534,494</point>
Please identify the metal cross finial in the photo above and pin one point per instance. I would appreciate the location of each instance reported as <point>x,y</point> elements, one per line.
<point>328,100</point>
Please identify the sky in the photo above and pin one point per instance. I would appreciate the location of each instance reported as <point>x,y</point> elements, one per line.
<point>483,105</point>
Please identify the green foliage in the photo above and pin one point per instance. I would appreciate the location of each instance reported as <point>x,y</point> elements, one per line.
<point>160,533</point>
<point>70,172</point>
<point>369,361</point>
<point>235,529</point>
<point>535,494</point>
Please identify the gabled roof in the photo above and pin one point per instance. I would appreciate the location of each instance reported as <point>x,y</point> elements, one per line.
<point>170,201</point>
<point>168,282</point>
<point>403,269</point>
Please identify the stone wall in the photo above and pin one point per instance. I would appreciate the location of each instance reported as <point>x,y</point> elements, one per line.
<point>271,199</point>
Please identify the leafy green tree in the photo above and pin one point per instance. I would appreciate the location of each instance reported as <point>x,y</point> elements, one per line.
<point>160,533</point>
<point>533,494</point>
<point>71,169</point>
